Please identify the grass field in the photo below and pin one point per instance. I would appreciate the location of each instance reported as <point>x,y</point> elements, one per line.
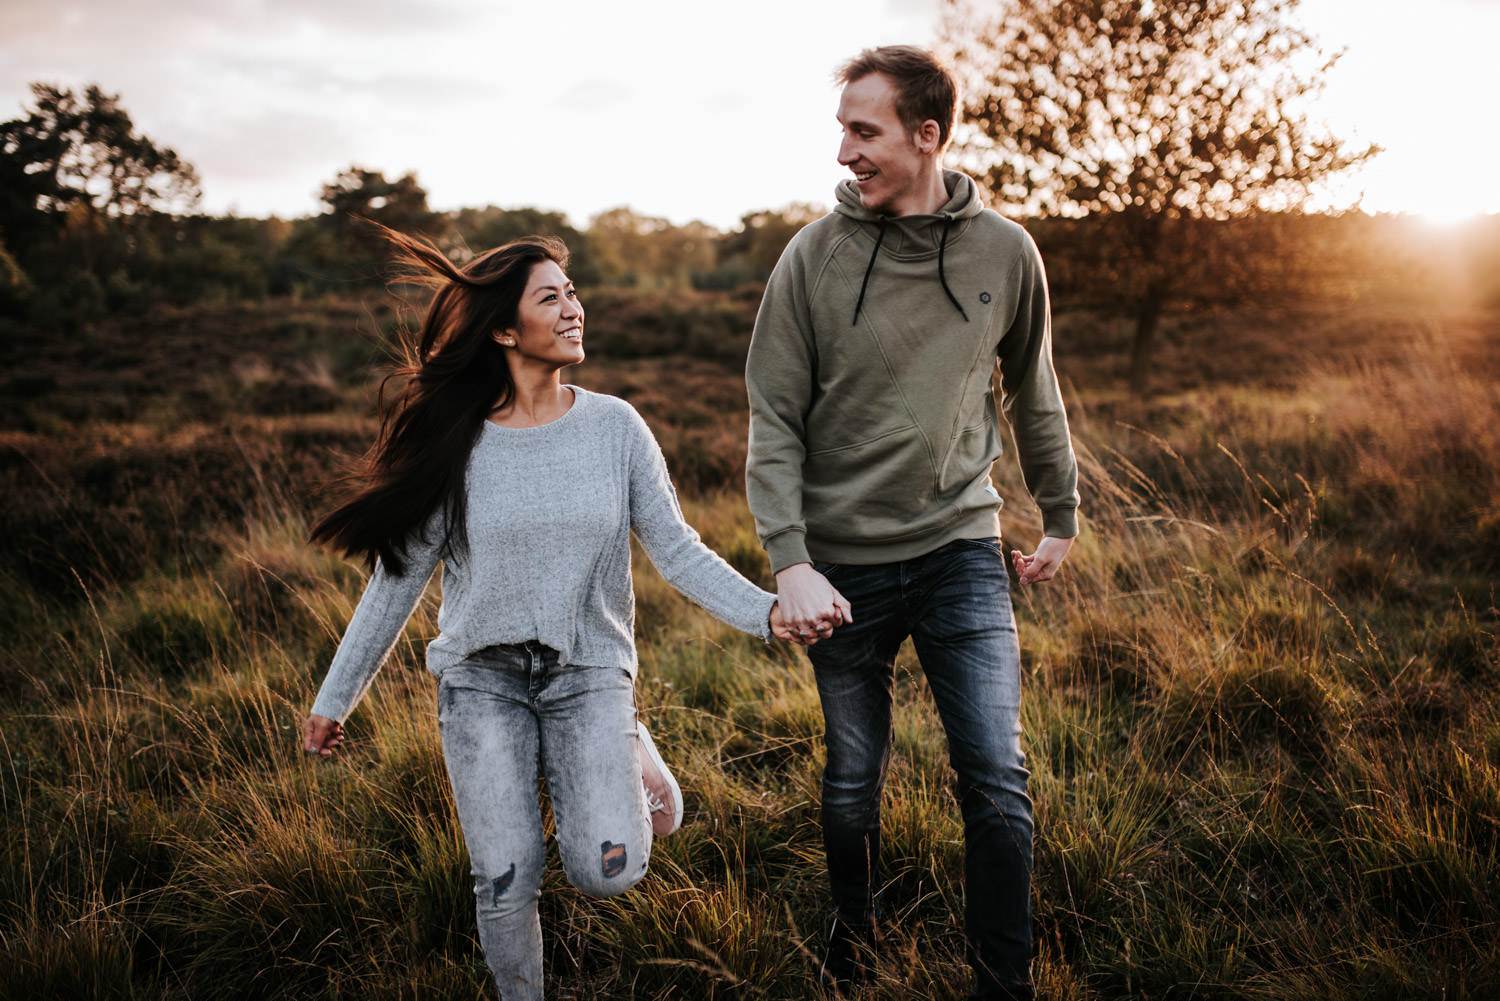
<point>1261,702</point>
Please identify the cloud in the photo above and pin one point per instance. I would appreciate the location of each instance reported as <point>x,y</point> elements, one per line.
<point>594,95</point>
<point>159,23</point>
<point>290,77</point>
<point>376,17</point>
<point>238,147</point>
<point>919,13</point>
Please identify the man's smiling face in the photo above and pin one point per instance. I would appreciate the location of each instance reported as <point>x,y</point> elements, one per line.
<point>889,167</point>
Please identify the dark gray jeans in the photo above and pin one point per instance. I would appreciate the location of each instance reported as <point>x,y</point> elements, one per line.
<point>954,603</point>
<point>503,713</point>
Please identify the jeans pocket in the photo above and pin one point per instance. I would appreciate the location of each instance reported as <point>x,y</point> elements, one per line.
<point>828,570</point>
<point>988,545</point>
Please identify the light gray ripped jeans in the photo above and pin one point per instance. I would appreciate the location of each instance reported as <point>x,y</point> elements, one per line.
<point>502,712</point>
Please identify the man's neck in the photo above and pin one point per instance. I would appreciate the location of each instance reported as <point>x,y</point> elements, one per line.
<point>930,196</point>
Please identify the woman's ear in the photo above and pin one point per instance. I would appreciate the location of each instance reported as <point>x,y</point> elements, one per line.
<point>505,338</point>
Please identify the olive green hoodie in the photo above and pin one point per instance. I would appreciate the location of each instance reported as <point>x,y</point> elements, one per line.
<point>872,422</point>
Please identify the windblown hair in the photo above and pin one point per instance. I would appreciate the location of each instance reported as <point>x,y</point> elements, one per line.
<point>447,384</point>
<point>924,87</point>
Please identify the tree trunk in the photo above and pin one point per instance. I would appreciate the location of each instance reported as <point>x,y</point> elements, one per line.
<point>1147,313</point>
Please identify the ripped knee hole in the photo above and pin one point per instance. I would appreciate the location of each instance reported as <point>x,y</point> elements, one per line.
<point>500,884</point>
<point>612,859</point>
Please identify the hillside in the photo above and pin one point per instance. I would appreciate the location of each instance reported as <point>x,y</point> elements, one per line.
<point>1262,714</point>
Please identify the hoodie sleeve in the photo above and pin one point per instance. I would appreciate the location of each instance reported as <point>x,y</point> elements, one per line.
<point>1033,404</point>
<point>779,376</point>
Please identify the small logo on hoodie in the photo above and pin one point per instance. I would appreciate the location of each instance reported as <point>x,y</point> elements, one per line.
<point>984,297</point>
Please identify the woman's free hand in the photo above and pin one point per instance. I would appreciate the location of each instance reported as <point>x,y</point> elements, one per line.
<point>320,735</point>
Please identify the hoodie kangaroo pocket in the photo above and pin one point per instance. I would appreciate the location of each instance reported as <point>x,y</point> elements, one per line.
<point>880,488</point>
<point>970,454</point>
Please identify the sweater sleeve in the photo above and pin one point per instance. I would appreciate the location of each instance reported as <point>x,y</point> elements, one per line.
<point>675,549</point>
<point>1033,404</point>
<point>779,375</point>
<point>377,622</point>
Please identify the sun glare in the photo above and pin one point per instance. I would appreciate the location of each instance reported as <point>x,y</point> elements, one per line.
<point>1447,212</point>
<point>1428,116</point>
<point>1411,190</point>
<point>1403,183</point>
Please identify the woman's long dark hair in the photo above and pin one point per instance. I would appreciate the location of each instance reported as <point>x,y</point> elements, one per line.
<point>450,381</point>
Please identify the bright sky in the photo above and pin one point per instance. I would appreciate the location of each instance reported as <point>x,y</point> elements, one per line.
<point>687,109</point>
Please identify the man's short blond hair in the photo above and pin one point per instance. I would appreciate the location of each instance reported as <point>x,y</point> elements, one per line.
<point>924,87</point>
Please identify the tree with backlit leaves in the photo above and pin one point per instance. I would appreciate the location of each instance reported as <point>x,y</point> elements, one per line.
<point>358,194</point>
<point>76,179</point>
<point>1149,114</point>
<point>83,150</point>
<point>83,200</point>
<point>491,226</point>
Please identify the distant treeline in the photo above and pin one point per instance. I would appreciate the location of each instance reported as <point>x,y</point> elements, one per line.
<point>78,265</point>
<point>70,262</point>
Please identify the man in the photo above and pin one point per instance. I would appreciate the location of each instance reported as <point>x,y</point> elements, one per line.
<point>872,432</point>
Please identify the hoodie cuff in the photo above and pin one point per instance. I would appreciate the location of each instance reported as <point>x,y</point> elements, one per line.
<point>787,549</point>
<point>1060,523</point>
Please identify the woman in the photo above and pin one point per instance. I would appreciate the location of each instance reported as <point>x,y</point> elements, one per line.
<point>526,490</point>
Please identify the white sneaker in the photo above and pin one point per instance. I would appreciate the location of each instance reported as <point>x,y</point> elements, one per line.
<point>663,794</point>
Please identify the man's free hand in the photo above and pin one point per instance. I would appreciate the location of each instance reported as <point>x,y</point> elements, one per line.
<point>1044,563</point>
<point>810,606</point>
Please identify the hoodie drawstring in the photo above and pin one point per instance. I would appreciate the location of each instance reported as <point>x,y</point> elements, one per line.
<point>868,268</point>
<point>942,277</point>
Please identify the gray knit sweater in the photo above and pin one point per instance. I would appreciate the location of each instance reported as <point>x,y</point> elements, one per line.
<point>550,510</point>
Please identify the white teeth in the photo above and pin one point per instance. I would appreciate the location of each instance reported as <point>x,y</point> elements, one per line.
<point>864,175</point>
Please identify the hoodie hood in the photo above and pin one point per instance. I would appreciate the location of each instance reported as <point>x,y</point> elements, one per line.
<point>913,237</point>
<point>916,235</point>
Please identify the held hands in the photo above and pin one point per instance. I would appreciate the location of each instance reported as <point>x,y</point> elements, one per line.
<point>320,735</point>
<point>809,606</point>
<point>1044,563</point>
<point>779,628</point>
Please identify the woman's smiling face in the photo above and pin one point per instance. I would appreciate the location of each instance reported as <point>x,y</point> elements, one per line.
<point>549,320</point>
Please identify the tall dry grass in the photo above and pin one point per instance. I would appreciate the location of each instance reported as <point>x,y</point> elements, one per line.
<point>1260,713</point>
